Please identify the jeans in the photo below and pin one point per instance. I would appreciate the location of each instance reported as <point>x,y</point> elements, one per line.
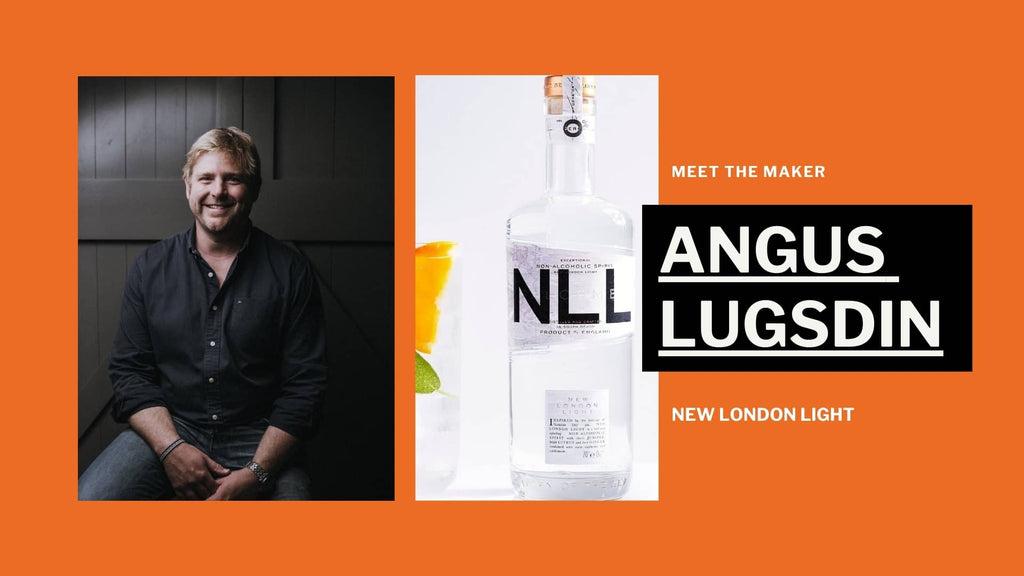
<point>128,469</point>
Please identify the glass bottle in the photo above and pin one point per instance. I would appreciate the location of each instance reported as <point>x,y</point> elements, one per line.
<point>570,278</point>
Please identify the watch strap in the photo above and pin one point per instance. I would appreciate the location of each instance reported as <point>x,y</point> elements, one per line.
<point>262,476</point>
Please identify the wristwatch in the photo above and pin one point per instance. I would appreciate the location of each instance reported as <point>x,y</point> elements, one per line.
<point>262,476</point>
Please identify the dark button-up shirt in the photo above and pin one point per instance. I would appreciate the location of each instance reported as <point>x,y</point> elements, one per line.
<point>221,355</point>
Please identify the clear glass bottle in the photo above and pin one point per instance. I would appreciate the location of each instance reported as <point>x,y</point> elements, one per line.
<point>570,276</point>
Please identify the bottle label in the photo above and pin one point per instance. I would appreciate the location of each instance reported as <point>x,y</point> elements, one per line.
<point>571,129</point>
<point>572,125</point>
<point>567,296</point>
<point>576,426</point>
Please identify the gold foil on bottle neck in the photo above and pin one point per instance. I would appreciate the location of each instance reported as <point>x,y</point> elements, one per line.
<point>553,86</point>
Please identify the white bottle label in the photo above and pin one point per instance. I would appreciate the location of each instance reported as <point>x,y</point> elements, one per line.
<point>576,426</point>
<point>567,296</point>
<point>573,125</point>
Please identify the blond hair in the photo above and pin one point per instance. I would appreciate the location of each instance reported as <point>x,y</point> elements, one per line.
<point>232,142</point>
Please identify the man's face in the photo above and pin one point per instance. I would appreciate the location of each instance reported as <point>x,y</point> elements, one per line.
<point>217,193</point>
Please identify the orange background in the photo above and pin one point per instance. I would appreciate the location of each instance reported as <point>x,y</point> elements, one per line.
<point>902,104</point>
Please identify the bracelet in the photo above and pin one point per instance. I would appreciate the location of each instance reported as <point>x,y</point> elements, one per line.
<point>170,447</point>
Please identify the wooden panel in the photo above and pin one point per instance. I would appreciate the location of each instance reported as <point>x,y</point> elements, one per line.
<point>363,281</point>
<point>358,417</point>
<point>110,273</point>
<point>94,398</point>
<point>170,127</point>
<point>86,128</point>
<point>335,211</point>
<point>364,136</point>
<point>305,134</point>
<point>140,128</point>
<point>200,108</point>
<point>258,119</point>
<point>357,428</point>
<point>110,128</point>
<point>95,390</point>
<point>131,210</point>
<point>319,255</point>
<point>132,251</point>
<point>88,313</point>
<point>229,102</point>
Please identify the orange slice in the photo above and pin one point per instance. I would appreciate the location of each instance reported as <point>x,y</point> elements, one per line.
<point>433,262</point>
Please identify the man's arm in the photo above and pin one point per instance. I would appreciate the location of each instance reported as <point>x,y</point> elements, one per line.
<point>192,473</point>
<point>132,368</point>
<point>303,369</point>
<point>273,452</point>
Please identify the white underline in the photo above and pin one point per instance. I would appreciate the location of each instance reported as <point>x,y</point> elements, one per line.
<point>781,279</point>
<point>798,353</point>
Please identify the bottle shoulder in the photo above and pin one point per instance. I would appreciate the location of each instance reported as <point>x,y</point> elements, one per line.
<point>572,221</point>
<point>557,206</point>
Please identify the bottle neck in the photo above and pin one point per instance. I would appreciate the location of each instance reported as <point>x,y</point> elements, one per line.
<point>570,169</point>
<point>570,149</point>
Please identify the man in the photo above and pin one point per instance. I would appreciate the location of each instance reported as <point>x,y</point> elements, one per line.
<point>218,364</point>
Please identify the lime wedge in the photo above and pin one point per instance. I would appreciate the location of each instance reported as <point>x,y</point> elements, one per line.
<point>427,380</point>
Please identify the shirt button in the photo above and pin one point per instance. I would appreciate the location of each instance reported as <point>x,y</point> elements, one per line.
<point>214,416</point>
<point>209,274</point>
<point>214,307</point>
<point>211,380</point>
<point>212,343</point>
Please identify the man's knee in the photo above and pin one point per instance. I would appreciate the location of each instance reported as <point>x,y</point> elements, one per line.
<point>292,484</point>
<point>126,470</point>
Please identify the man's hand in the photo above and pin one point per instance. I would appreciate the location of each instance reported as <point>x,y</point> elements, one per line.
<point>240,484</point>
<point>274,448</point>
<point>192,473</point>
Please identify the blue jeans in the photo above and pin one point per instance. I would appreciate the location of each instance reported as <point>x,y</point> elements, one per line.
<point>128,469</point>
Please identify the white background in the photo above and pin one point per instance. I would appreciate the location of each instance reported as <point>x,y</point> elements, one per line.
<point>480,153</point>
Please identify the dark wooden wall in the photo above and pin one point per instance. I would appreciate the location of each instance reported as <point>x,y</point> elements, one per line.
<point>327,146</point>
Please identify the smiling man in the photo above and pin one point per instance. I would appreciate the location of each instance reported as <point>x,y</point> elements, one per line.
<point>218,364</point>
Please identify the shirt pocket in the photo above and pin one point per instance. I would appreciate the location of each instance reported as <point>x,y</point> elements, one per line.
<point>254,328</point>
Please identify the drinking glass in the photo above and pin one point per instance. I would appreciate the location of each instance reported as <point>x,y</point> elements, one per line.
<point>438,365</point>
